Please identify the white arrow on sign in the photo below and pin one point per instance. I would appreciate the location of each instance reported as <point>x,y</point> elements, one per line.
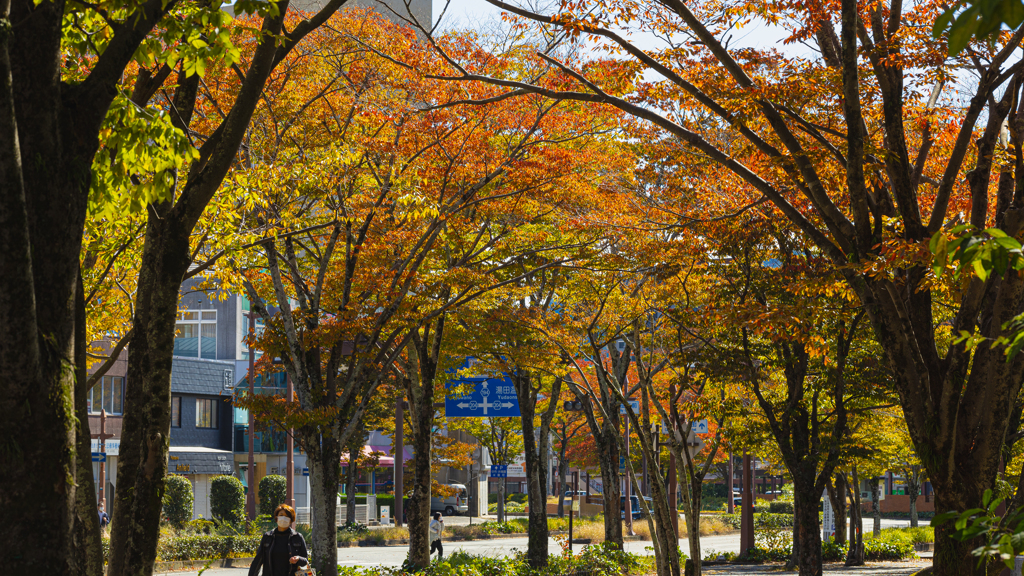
<point>485,405</point>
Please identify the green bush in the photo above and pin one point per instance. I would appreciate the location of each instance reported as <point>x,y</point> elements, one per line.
<point>881,549</point>
<point>227,499</point>
<point>833,552</point>
<point>273,491</point>
<point>711,503</point>
<point>178,500</point>
<point>203,547</point>
<point>518,498</point>
<point>776,507</point>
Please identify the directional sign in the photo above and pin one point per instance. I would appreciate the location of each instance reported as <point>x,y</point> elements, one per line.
<point>634,404</point>
<point>305,471</point>
<point>700,427</point>
<point>99,457</point>
<point>622,464</point>
<point>491,397</point>
<point>499,471</point>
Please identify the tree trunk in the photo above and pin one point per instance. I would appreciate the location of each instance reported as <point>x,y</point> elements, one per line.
<point>324,471</point>
<point>837,495</point>
<point>44,180</point>
<point>419,502</point>
<point>876,512</point>
<point>608,458</point>
<point>88,547</point>
<point>142,462</point>
<point>693,523</point>
<point>855,556</point>
<point>953,556</point>
<point>913,491</point>
<point>350,490</point>
<point>537,538</point>
<point>808,535</point>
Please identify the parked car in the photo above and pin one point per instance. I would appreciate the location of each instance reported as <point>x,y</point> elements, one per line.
<point>452,505</point>
<point>635,508</point>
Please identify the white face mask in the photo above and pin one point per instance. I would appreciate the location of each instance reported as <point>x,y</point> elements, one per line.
<point>283,521</point>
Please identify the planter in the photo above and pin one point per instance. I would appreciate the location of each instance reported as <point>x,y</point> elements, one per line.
<point>924,546</point>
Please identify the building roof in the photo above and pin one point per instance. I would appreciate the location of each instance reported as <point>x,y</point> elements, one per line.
<point>199,376</point>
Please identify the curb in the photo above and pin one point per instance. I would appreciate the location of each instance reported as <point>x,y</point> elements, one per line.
<point>163,567</point>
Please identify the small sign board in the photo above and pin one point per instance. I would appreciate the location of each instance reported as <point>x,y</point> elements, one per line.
<point>634,404</point>
<point>499,471</point>
<point>305,471</point>
<point>575,505</point>
<point>516,471</point>
<point>385,514</point>
<point>622,464</point>
<point>99,457</point>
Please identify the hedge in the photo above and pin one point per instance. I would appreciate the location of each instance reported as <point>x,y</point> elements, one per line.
<point>780,507</point>
<point>227,499</point>
<point>273,491</point>
<point>206,547</point>
<point>178,500</point>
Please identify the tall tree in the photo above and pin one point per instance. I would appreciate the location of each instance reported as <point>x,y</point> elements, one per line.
<point>872,140</point>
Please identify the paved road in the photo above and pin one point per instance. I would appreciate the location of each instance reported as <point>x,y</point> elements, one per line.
<point>395,555</point>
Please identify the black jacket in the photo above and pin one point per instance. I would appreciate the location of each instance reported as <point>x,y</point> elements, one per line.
<point>296,547</point>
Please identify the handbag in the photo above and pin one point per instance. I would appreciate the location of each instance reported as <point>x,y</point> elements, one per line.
<point>306,570</point>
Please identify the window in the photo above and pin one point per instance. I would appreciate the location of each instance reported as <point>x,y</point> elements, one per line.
<point>176,411</point>
<point>107,394</point>
<point>195,334</point>
<point>206,413</point>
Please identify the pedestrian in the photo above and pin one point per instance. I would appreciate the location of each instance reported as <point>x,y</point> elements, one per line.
<point>282,550</point>
<point>436,527</point>
<point>104,519</point>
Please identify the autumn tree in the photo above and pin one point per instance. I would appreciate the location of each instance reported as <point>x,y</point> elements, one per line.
<point>867,161</point>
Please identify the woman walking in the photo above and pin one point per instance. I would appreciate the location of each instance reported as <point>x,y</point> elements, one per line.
<point>282,551</point>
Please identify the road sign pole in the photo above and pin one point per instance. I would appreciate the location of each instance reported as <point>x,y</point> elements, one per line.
<point>103,461</point>
<point>290,447</point>
<point>399,464</point>
<point>250,474</point>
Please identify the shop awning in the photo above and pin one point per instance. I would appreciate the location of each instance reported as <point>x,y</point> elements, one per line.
<point>199,460</point>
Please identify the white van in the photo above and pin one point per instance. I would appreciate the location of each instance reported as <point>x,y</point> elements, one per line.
<point>452,505</point>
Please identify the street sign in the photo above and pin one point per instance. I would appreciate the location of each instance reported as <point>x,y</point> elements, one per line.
<point>385,514</point>
<point>499,471</point>
<point>305,471</point>
<point>634,404</point>
<point>700,427</point>
<point>491,397</point>
<point>622,464</point>
<point>828,519</point>
<point>99,457</point>
<point>516,471</point>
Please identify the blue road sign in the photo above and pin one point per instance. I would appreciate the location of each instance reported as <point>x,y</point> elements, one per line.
<point>491,397</point>
<point>499,471</point>
<point>99,457</point>
<point>700,427</point>
<point>622,464</point>
<point>634,404</point>
<point>305,471</point>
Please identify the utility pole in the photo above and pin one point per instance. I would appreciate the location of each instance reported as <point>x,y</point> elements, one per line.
<point>290,447</point>
<point>729,493</point>
<point>399,457</point>
<point>250,493</point>
<point>102,436</point>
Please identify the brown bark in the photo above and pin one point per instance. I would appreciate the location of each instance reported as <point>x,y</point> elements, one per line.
<point>88,547</point>
<point>855,556</point>
<point>535,447</point>
<point>837,494</point>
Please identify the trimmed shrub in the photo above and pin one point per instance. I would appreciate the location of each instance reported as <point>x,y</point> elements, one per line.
<point>881,549</point>
<point>227,499</point>
<point>178,500</point>
<point>518,498</point>
<point>203,547</point>
<point>273,491</point>
<point>776,507</point>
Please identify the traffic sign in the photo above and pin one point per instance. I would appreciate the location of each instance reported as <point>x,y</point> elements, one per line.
<point>634,404</point>
<point>99,457</point>
<point>622,464</point>
<point>491,397</point>
<point>499,471</point>
<point>305,471</point>
<point>700,427</point>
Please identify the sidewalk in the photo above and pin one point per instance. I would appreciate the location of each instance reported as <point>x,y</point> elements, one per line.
<point>871,569</point>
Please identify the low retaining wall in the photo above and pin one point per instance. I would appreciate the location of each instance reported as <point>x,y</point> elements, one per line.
<point>161,567</point>
<point>899,503</point>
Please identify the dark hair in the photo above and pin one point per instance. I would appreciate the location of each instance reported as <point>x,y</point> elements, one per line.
<point>288,511</point>
<point>437,515</point>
